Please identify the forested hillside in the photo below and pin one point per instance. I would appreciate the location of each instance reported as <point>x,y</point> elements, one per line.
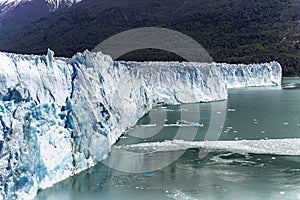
<point>232,31</point>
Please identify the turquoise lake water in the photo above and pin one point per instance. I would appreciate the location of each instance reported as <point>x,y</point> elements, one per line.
<point>162,172</point>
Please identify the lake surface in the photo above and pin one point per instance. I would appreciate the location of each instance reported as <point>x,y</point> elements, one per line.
<point>162,158</point>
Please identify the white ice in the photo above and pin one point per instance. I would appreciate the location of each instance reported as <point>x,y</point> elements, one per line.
<point>60,116</point>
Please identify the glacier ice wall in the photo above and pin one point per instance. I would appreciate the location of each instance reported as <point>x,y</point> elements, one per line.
<point>60,116</point>
<point>241,75</point>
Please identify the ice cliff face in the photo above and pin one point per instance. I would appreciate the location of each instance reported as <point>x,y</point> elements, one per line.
<point>60,116</point>
<point>237,76</point>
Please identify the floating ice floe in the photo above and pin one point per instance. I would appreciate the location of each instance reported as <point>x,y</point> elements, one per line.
<point>288,147</point>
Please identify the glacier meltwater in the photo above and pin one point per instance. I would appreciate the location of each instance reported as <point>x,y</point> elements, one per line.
<point>59,116</point>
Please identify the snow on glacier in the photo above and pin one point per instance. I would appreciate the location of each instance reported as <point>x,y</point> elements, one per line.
<point>59,116</point>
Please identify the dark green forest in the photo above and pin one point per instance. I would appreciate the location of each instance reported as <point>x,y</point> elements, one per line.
<point>233,31</point>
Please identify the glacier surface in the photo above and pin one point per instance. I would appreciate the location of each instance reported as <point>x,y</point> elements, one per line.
<point>59,116</point>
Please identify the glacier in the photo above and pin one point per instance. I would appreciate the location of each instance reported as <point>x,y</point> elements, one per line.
<point>59,116</point>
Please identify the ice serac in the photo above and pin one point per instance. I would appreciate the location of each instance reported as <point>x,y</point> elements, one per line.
<point>60,116</point>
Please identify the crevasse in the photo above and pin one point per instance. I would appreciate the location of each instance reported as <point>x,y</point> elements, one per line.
<point>60,116</point>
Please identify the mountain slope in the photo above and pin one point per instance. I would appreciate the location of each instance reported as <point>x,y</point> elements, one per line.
<point>231,30</point>
<point>15,14</point>
<point>7,6</point>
